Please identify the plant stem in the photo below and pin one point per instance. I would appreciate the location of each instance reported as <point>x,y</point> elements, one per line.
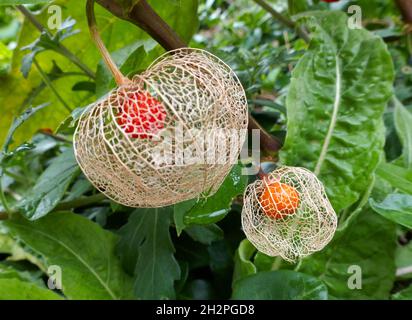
<point>91,19</point>
<point>16,177</point>
<point>267,141</point>
<point>61,48</point>
<point>284,20</point>
<point>81,202</point>
<point>405,7</point>
<point>50,85</point>
<point>3,201</point>
<point>143,15</point>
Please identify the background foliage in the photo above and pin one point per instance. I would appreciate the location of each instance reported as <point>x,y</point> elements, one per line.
<point>341,106</point>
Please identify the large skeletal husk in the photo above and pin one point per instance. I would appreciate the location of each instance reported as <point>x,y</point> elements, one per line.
<point>307,230</point>
<point>200,96</point>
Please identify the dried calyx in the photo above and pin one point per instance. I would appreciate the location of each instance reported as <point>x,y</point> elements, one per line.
<point>122,142</point>
<point>288,214</point>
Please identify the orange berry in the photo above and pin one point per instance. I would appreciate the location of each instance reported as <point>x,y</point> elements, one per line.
<point>278,200</point>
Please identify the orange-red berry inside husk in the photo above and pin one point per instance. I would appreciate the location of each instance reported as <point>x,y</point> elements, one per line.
<point>140,115</point>
<point>279,200</point>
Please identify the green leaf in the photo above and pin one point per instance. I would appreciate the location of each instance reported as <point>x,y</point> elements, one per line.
<point>146,250</point>
<point>18,122</point>
<point>243,265</point>
<point>16,2</point>
<point>403,121</point>
<point>403,259</point>
<point>216,207</point>
<point>405,294</point>
<point>179,211</point>
<point>297,6</point>
<point>16,289</point>
<point>370,243</point>
<point>395,207</point>
<point>400,178</point>
<point>47,41</point>
<point>17,252</point>
<point>338,93</point>
<point>280,285</point>
<point>51,186</point>
<point>205,234</point>
<point>84,251</point>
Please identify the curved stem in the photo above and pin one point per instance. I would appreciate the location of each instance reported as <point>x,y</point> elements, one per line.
<point>81,202</point>
<point>48,82</point>
<point>91,20</point>
<point>284,20</point>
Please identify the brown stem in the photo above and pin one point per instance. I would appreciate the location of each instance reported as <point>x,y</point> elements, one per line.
<point>143,15</point>
<point>91,20</point>
<point>405,7</point>
<point>267,141</point>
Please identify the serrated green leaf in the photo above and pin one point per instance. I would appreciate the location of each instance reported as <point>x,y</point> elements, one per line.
<point>280,285</point>
<point>369,243</point>
<point>146,250</point>
<point>51,186</point>
<point>335,103</point>
<point>82,249</point>
<point>395,207</point>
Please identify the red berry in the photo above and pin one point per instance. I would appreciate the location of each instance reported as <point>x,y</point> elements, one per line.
<point>140,115</point>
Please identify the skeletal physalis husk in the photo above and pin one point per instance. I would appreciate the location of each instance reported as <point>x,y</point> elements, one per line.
<point>293,221</point>
<point>170,134</point>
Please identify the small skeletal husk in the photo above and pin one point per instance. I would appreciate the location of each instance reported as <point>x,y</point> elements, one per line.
<point>309,229</point>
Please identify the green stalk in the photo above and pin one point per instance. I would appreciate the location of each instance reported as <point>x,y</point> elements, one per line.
<point>48,82</point>
<point>284,20</point>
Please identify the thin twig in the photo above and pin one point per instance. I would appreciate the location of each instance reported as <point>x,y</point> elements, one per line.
<point>48,82</point>
<point>81,202</point>
<point>284,20</point>
<point>62,49</point>
<point>4,201</point>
